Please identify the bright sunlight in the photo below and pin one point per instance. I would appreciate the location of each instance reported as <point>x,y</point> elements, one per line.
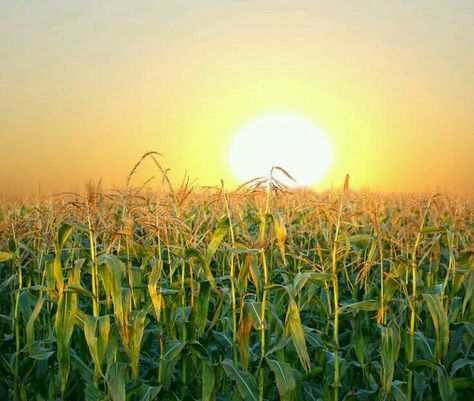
<point>288,141</point>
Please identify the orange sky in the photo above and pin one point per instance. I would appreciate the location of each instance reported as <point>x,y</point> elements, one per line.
<point>86,88</point>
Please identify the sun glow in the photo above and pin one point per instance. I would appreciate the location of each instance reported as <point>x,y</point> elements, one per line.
<point>288,141</point>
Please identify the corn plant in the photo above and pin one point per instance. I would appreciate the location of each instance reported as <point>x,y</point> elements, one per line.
<point>254,294</point>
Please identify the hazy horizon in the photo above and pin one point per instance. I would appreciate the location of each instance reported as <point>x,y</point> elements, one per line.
<point>87,88</point>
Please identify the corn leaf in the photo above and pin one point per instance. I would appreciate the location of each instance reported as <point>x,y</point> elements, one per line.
<point>445,383</point>
<point>208,381</point>
<point>137,327</point>
<point>217,237</point>
<point>245,382</point>
<point>441,324</point>
<point>390,348</point>
<point>5,256</point>
<point>280,232</point>
<point>64,325</point>
<point>294,326</point>
<point>285,379</point>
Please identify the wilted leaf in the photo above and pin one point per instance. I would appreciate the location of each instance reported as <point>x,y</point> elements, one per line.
<point>293,325</point>
<point>4,256</point>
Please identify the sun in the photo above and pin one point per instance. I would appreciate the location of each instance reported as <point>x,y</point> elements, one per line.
<point>288,141</point>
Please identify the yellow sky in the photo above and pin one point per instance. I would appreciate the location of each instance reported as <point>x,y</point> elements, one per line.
<point>86,88</point>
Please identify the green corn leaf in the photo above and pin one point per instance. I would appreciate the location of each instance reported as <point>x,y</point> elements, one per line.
<point>31,321</point>
<point>49,276</point>
<point>116,381</point>
<point>359,342</point>
<point>285,379</point>
<point>78,288</point>
<point>103,337</point>
<point>243,249</point>
<point>111,276</point>
<point>208,381</point>
<point>424,345</point>
<point>172,350</point>
<point>137,327</point>
<point>245,381</point>
<point>469,292</point>
<point>243,336</point>
<point>96,332</point>
<point>280,345</point>
<point>360,239</point>
<point>254,310</point>
<point>92,393</point>
<point>63,235</point>
<point>169,359</point>
<point>441,324</point>
<point>302,278</point>
<point>463,383</point>
<point>64,326</point>
<point>149,393</point>
<point>217,314</point>
<point>40,353</point>
<point>83,368</point>
<point>460,364</point>
<point>90,324</point>
<point>24,305</point>
<point>445,383</point>
<point>390,349</point>
<point>398,392</point>
<point>369,305</point>
<point>217,237</point>
<point>191,252</point>
<point>202,306</point>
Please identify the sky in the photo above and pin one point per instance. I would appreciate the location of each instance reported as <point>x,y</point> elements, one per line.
<point>87,87</point>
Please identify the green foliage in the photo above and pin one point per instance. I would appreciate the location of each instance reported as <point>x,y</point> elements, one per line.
<point>130,297</point>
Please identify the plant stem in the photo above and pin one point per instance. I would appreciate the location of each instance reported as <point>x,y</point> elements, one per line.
<point>411,354</point>
<point>232,284</point>
<point>335,285</point>
<point>95,280</point>
<point>264,296</point>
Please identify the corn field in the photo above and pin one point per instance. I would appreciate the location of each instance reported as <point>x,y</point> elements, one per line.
<point>257,294</point>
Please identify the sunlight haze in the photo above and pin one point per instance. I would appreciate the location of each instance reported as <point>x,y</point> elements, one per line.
<point>88,87</point>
